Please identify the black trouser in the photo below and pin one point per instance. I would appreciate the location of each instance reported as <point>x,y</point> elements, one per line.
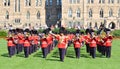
<point>26,52</point>
<point>108,51</point>
<point>11,50</point>
<point>20,47</point>
<point>103,50</point>
<point>69,42</point>
<point>30,49</point>
<point>17,48</point>
<point>45,52</point>
<point>35,47</point>
<point>98,48</point>
<point>62,53</point>
<point>77,52</point>
<point>93,52</point>
<point>49,48</point>
<point>87,48</point>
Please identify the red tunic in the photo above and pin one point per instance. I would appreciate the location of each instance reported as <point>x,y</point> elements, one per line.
<point>93,43</point>
<point>36,39</point>
<point>77,43</point>
<point>62,44</point>
<point>108,41</point>
<point>10,42</point>
<point>21,38</point>
<point>44,43</point>
<point>87,39</point>
<point>26,43</point>
<point>49,39</point>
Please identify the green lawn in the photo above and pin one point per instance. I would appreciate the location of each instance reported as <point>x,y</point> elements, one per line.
<point>35,61</point>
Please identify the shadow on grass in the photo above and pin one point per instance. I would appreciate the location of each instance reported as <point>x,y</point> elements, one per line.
<point>38,54</point>
<point>5,55</point>
<point>49,59</point>
<point>20,55</point>
<point>55,54</point>
<point>85,55</point>
<point>70,53</point>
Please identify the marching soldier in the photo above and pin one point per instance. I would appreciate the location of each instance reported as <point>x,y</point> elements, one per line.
<point>11,45</point>
<point>20,40</point>
<point>92,44</point>
<point>44,46</point>
<point>99,42</point>
<point>15,37</point>
<point>87,37</point>
<point>26,43</point>
<point>77,45</point>
<point>26,46</point>
<point>36,39</point>
<point>50,42</point>
<point>108,43</point>
<point>62,45</point>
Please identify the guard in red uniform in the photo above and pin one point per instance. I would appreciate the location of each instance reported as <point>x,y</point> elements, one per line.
<point>15,37</point>
<point>36,39</point>
<point>62,45</point>
<point>20,40</point>
<point>11,45</point>
<point>108,43</point>
<point>99,43</point>
<point>87,38</point>
<point>44,46</point>
<point>50,42</point>
<point>26,46</point>
<point>83,38</point>
<point>92,45</point>
<point>77,45</point>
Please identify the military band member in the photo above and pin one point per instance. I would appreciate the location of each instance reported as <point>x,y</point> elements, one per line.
<point>62,45</point>
<point>92,44</point>
<point>108,43</point>
<point>77,45</point>
<point>11,45</point>
<point>87,38</point>
<point>44,46</point>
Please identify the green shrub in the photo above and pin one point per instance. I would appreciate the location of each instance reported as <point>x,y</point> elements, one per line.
<point>3,33</point>
<point>40,30</point>
<point>71,29</point>
<point>56,30</point>
<point>116,33</point>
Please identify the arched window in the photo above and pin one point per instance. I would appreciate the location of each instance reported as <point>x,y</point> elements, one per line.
<point>90,13</point>
<point>38,15</point>
<point>51,2</point>
<point>38,2</point>
<point>101,1</point>
<point>47,2</point>
<point>28,15</point>
<point>110,13</point>
<point>70,12</point>
<point>7,15</point>
<point>78,12</point>
<point>27,2</point>
<point>118,1</point>
<point>70,24</point>
<point>119,12</point>
<point>73,1</point>
<point>101,13</point>
<point>78,1</point>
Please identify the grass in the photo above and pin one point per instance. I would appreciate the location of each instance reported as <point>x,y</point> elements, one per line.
<point>35,61</point>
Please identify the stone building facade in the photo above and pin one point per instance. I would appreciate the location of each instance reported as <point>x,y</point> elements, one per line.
<point>22,13</point>
<point>91,13</point>
<point>70,13</point>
